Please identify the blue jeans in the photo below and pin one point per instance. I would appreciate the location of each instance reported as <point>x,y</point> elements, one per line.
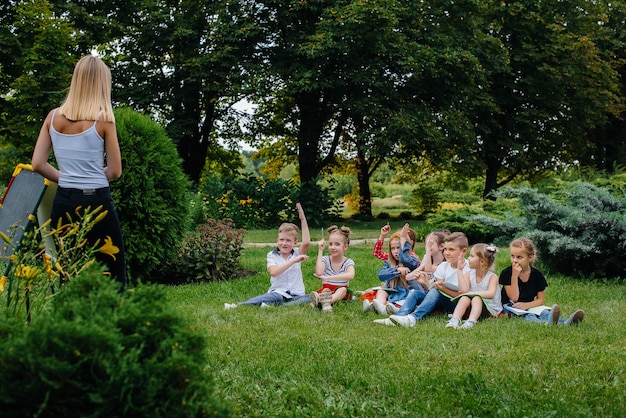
<point>542,318</point>
<point>433,300</point>
<point>273,298</point>
<point>413,299</point>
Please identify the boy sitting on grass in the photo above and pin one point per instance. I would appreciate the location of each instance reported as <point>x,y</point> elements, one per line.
<point>283,264</point>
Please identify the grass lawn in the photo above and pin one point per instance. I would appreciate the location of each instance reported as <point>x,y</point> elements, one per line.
<point>296,361</point>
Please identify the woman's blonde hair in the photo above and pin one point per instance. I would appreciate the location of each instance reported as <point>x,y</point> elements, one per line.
<point>90,91</point>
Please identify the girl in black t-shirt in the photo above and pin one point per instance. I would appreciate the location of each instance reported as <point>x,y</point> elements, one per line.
<point>523,287</point>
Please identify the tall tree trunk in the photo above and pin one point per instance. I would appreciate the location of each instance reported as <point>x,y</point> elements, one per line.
<point>491,177</point>
<point>363,177</point>
<point>309,134</point>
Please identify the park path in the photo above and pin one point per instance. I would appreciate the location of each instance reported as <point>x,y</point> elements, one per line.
<point>273,244</point>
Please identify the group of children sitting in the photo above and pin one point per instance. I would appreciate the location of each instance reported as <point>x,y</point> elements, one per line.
<point>444,280</point>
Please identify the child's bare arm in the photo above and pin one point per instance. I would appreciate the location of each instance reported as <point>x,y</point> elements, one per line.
<point>306,235</point>
<point>539,300</point>
<point>319,264</point>
<point>276,270</point>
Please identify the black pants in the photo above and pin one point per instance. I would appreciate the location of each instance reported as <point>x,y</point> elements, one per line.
<point>67,200</point>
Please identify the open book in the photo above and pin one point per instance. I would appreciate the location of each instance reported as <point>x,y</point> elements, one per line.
<point>470,294</point>
<point>534,310</point>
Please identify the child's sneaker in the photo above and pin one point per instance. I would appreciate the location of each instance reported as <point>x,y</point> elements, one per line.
<point>325,299</point>
<point>367,305</point>
<point>468,324</point>
<point>575,318</point>
<point>379,308</point>
<point>230,306</point>
<point>453,323</point>
<point>555,313</point>
<point>315,299</point>
<point>385,321</point>
<point>403,320</point>
<point>391,308</point>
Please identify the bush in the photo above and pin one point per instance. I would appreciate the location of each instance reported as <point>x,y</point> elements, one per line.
<point>339,185</point>
<point>102,353</point>
<point>425,197</point>
<point>461,218</point>
<point>210,253</point>
<point>151,196</point>
<point>583,233</point>
<point>378,190</point>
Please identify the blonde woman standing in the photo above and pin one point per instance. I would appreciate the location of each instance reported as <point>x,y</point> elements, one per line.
<point>82,134</point>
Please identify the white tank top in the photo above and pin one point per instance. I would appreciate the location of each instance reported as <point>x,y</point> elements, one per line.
<point>80,158</point>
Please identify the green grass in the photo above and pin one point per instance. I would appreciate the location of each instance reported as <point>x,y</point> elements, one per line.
<point>296,361</point>
<point>368,230</point>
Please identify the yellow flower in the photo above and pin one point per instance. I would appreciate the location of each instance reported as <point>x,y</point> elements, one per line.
<point>3,281</point>
<point>108,247</point>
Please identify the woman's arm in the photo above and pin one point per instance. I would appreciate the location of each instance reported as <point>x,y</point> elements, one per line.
<point>113,168</point>
<point>42,150</point>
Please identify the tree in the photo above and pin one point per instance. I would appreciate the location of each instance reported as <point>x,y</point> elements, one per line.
<point>179,61</point>
<point>606,149</point>
<point>539,112</point>
<point>37,58</point>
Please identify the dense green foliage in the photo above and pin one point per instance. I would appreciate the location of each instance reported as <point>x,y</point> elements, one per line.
<point>470,87</point>
<point>101,353</point>
<point>253,201</point>
<point>209,253</point>
<point>152,198</point>
<point>580,231</point>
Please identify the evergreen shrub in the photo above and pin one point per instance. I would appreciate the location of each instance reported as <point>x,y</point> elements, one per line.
<point>460,218</point>
<point>101,353</point>
<point>210,253</point>
<point>579,231</point>
<point>152,196</point>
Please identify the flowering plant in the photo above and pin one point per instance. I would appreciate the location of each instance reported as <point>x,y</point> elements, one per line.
<point>46,257</point>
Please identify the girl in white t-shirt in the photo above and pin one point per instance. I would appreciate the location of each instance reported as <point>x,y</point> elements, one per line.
<point>480,288</point>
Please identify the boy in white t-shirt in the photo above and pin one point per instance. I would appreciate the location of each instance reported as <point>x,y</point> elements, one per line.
<point>283,265</point>
<point>445,284</point>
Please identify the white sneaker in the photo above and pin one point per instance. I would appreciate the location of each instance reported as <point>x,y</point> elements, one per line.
<point>264,305</point>
<point>404,320</point>
<point>325,299</point>
<point>379,308</point>
<point>453,323</point>
<point>230,305</point>
<point>391,308</point>
<point>468,324</point>
<point>367,305</point>
<point>315,299</point>
<point>385,321</point>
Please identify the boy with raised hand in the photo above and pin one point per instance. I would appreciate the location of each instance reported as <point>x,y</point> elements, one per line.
<point>445,285</point>
<point>283,265</point>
